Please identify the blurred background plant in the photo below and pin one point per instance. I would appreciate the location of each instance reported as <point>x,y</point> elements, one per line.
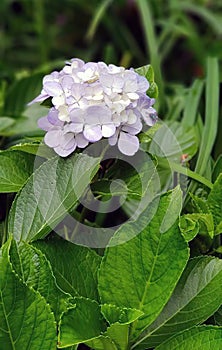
<point>176,37</point>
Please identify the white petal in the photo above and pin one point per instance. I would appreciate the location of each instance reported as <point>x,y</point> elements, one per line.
<point>133,95</point>
<point>128,144</point>
<point>108,130</point>
<point>92,133</point>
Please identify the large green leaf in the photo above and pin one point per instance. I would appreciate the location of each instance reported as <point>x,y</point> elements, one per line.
<point>173,140</point>
<point>34,269</point>
<point>35,148</point>
<point>81,323</point>
<point>197,296</point>
<point>197,338</point>
<point>26,319</point>
<point>142,273</point>
<point>15,169</point>
<point>50,193</point>
<point>75,267</point>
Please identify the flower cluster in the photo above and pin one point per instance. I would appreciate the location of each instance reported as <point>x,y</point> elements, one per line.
<point>94,100</point>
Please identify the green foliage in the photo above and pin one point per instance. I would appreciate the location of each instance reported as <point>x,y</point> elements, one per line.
<point>51,191</point>
<point>196,296</point>
<point>148,73</point>
<point>25,316</point>
<point>159,277</point>
<point>205,338</point>
<point>129,259</point>
<point>15,169</point>
<point>75,267</point>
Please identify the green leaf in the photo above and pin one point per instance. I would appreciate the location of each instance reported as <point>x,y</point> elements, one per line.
<point>121,315</point>
<point>172,140</point>
<point>15,168</point>
<point>81,323</point>
<point>75,267</point>
<point>192,102</point>
<point>27,122</point>
<point>5,122</point>
<point>35,271</point>
<point>196,297</point>
<point>133,273</point>
<point>192,224</point>
<point>119,333</point>
<point>35,148</point>
<point>50,193</point>
<point>200,204</point>
<point>119,320</point>
<point>101,342</point>
<point>218,316</point>
<point>189,228</point>
<point>197,338</point>
<point>148,72</point>
<point>214,200</point>
<point>26,318</point>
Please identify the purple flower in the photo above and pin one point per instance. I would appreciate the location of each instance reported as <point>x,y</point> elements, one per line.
<point>94,100</point>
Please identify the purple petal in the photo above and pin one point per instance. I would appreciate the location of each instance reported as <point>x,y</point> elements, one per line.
<point>92,133</point>
<point>113,139</point>
<point>74,127</point>
<point>67,82</point>
<point>64,152</point>
<point>77,115</point>
<point>81,141</point>
<point>108,130</point>
<point>42,97</point>
<point>53,88</point>
<point>98,115</point>
<point>52,137</point>
<point>128,144</point>
<point>143,84</point>
<point>150,116</point>
<point>44,124</point>
<point>67,141</point>
<point>53,117</point>
<point>133,129</point>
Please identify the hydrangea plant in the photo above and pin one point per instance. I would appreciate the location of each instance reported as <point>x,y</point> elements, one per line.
<point>148,285</point>
<point>94,100</point>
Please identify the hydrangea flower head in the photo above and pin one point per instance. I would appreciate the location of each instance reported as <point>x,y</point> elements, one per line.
<point>94,100</point>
